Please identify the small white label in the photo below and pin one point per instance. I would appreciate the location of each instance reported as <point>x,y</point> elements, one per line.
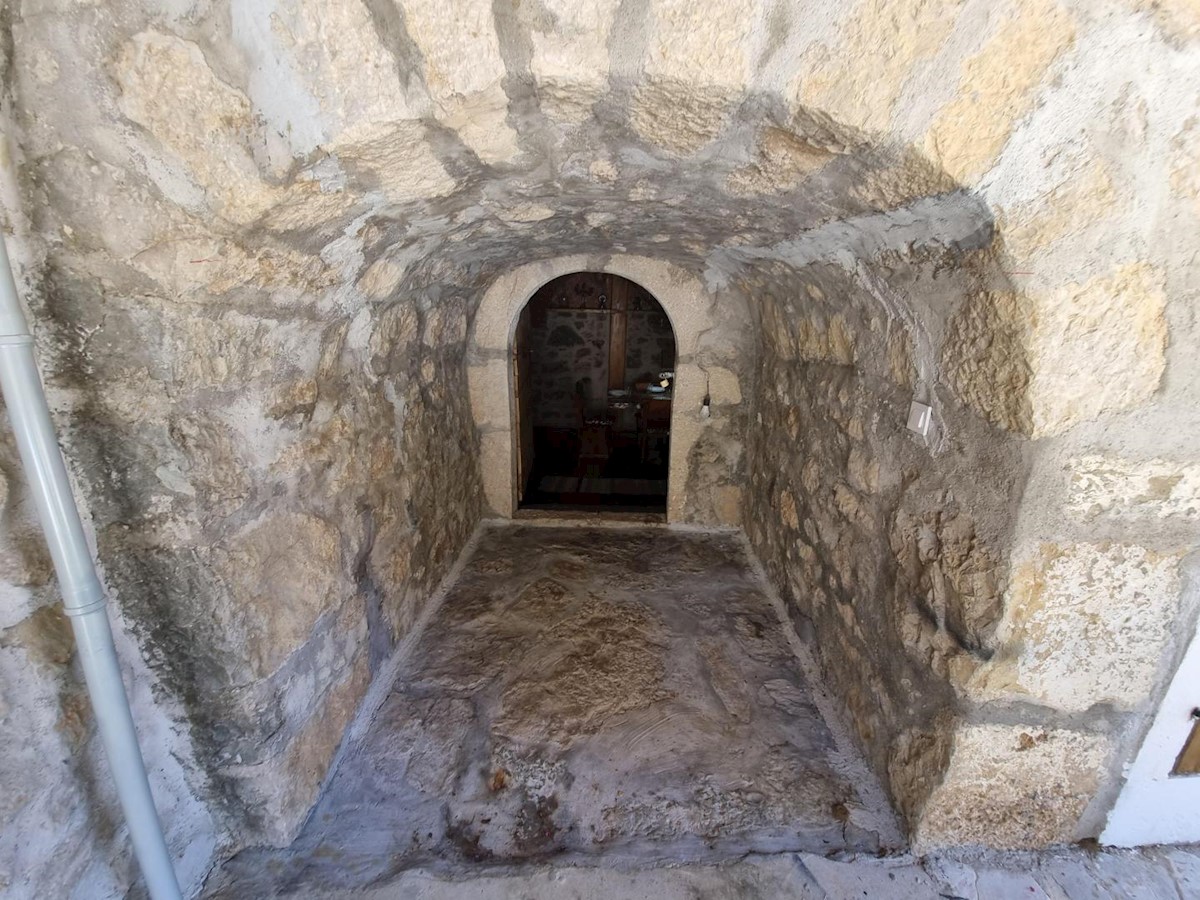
<point>919,417</point>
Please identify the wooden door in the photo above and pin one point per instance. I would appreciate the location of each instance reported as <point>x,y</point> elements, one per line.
<point>523,402</point>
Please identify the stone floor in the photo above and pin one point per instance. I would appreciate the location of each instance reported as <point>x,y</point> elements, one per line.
<point>584,694</point>
<point>618,713</point>
<point>1065,875</point>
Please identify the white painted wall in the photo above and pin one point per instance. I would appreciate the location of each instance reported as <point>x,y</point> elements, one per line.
<point>1153,807</point>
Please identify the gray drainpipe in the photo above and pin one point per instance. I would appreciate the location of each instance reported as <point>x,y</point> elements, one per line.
<point>83,598</point>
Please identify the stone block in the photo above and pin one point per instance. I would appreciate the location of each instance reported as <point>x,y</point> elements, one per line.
<point>681,118</point>
<point>464,71</point>
<point>986,358</point>
<point>1119,487</point>
<point>1097,347</point>
<point>849,79</point>
<point>997,86</point>
<point>168,89</point>
<point>281,789</point>
<point>489,406</point>
<point>1012,787</point>
<point>284,572</point>
<point>571,63</point>
<point>496,464</point>
<point>1040,364</point>
<point>1086,624</point>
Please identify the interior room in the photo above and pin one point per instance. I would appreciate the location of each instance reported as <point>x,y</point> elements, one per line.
<point>595,358</point>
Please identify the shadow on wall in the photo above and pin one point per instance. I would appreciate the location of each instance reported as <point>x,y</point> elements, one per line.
<point>890,548</point>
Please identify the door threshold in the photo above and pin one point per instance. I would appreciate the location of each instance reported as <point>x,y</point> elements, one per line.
<point>590,514</point>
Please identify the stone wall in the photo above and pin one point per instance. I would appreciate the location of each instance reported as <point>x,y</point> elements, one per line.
<point>889,548</point>
<point>277,463</point>
<point>649,343</point>
<point>570,354</point>
<point>259,240</point>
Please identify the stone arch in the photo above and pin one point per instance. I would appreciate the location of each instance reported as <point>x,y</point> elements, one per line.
<point>689,307</point>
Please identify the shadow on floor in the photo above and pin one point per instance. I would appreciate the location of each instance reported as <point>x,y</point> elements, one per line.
<point>629,477</point>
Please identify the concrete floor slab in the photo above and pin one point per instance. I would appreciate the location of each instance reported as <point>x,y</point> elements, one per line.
<point>618,695</point>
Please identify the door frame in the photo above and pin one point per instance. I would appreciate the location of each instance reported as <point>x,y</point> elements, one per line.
<point>690,308</point>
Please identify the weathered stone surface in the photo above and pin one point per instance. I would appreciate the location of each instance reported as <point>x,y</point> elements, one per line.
<point>463,73</point>
<point>1113,486</point>
<point>871,541</point>
<point>608,687</point>
<point>1013,786</point>
<point>1086,195</point>
<point>1185,148</point>
<point>1085,625</point>
<point>784,162</point>
<point>283,787</point>
<point>1016,359</point>
<point>679,118</point>
<point>168,88</point>
<point>1180,18</point>
<point>986,357</point>
<point>849,78</point>
<point>289,567</point>
<point>571,63</point>
<point>996,88</point>
<point>1116,323</point>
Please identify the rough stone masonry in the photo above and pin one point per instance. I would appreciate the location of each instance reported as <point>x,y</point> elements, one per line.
<point>255,238</point>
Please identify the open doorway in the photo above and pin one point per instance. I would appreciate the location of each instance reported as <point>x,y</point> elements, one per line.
<point>594,372</point>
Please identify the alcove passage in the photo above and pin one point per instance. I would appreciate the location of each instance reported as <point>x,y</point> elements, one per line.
<point>490,421</point>
<point>593,373</point>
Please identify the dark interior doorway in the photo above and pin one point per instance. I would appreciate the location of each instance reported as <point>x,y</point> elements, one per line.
<point>594,373</point>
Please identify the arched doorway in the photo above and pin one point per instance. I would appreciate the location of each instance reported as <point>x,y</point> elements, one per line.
<point>593,375</point>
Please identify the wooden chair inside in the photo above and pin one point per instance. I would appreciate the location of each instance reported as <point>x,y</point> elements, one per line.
<point>654,425</point>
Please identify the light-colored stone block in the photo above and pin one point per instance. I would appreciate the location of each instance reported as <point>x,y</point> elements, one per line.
<point>997,86</point>
<point>1118,487</point>
<point>1086,624</point>
<point>849,78</point>
<point>1097,347</point>
<point>496,464</point>
<point>488,384</point>
<point>1012,787</point>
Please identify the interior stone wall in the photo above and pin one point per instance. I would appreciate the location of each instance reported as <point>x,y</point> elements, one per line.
<point>569,341</point>
<point>889,548</point>
<point>570,349</point>
<point>649,345</point>
<point>258,242</point>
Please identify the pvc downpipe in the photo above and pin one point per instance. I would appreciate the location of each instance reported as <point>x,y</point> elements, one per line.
<point>83,597</point>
